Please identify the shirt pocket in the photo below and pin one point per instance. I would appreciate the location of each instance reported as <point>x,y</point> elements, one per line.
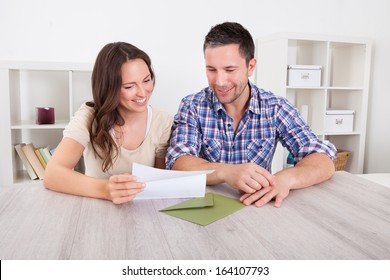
<point>261,151</point>
<point>211,150</point>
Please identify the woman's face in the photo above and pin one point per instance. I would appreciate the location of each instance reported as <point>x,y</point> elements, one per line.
<point>137,86</point>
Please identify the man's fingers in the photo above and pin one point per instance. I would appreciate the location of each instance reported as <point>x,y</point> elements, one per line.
<point>245,196</point>
<point>265,175</point>
<point>248,199</point>
<point>265,199</point>
<point>278,201</point>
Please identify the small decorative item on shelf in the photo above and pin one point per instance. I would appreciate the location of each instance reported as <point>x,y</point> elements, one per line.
<point>341,160</point>
<point>45,115</point>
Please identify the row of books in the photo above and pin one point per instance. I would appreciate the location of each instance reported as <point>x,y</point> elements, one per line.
<point>34,159</point>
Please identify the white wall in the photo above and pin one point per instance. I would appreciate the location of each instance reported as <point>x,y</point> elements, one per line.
<point>172,32</point>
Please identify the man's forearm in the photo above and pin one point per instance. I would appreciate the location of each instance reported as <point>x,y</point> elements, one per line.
<point>194,163</point>
<point>313,169</point>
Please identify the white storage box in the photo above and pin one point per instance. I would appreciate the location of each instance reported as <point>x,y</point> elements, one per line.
<point>304,75</point>
<point>339,120</point>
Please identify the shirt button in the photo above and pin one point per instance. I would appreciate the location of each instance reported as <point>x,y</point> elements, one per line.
<point>229,125</point>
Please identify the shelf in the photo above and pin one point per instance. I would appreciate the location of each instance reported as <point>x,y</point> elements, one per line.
<point>346,133</point>
<point>345,88</point>
<point>328,88</point>
<point>26,85</point>
<point>315,88</point>
<point>45,66</point>
<point>344,85</point>
<point>59,124</point>
<point>22,177</point>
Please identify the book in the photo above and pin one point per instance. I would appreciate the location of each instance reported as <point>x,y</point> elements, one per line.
<point>26,163</point>
<point>29,151</point>
<point>40,157</point>
<point>45,153</point>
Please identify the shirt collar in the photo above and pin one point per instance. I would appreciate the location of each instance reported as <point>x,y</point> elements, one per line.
<point>254,102</point>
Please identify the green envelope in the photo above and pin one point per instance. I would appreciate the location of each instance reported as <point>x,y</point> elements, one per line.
<point>204,210</point>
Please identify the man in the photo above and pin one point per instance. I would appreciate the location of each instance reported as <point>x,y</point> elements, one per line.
<point>233,127</point>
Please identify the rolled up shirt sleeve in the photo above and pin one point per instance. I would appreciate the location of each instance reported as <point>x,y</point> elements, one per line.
<point>186,136</point>
<point>298,137</point>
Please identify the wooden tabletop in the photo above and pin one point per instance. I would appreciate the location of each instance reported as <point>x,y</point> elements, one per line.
<point>347,217</point>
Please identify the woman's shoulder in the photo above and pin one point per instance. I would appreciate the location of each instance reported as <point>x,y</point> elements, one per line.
<point>86,107</point>
<point>85,110</point>
<point>161,120</point>
<point>159,114</point>
<point>82,116</point>
<point>77,128</point>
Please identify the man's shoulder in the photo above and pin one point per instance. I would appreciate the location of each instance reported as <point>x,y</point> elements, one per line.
<point>203,96</point>
<point>267,96</point>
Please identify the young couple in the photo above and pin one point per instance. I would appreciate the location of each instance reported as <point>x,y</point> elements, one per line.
<point>231,127</point>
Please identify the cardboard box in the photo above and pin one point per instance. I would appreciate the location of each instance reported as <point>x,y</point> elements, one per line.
<point>339,120</point>
<point>304,75</point>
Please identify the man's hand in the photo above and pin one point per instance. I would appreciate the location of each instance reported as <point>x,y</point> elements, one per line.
<point>284,182</point>
<point>265,195</point>
<point>246,177</point>
<point>311,170</point>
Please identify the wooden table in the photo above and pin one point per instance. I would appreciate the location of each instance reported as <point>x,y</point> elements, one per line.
<point>346,217</point>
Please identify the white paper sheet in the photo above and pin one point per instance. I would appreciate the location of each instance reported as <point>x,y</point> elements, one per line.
<point>162,183</point>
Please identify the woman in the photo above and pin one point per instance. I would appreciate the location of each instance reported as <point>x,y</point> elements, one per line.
<point>115,130</point>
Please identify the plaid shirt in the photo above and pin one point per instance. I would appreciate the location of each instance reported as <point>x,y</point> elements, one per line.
<point>202,128</point>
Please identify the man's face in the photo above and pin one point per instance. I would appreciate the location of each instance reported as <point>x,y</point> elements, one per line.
<point>227,72</point>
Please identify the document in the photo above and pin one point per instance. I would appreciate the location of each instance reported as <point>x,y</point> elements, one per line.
<point>162,183</point>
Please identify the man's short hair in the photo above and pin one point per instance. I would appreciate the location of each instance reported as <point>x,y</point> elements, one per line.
<point>231,33</point>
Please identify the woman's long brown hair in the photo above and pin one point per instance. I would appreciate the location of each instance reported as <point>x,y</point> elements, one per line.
<point>106,86</point>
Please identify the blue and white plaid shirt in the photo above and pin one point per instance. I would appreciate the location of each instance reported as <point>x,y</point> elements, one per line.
<point>202,128</point>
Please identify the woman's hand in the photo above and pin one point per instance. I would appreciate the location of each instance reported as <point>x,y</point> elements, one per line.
<point>123,188</point>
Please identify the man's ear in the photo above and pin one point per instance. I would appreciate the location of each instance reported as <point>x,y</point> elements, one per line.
<point>251,66</point>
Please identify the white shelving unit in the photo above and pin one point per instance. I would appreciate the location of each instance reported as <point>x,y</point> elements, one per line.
<point>344,84</point>
<point>25,86</point>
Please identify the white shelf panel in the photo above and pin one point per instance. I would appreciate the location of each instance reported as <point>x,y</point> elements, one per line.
<point>60,124</point>
<point>340,133</point>
<point>346,88</point>
<point>45,66</point>
<point>315,88</point>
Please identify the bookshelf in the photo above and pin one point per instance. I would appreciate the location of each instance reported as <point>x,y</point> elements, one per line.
<point>26,85</point>
<point>344,85</point>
